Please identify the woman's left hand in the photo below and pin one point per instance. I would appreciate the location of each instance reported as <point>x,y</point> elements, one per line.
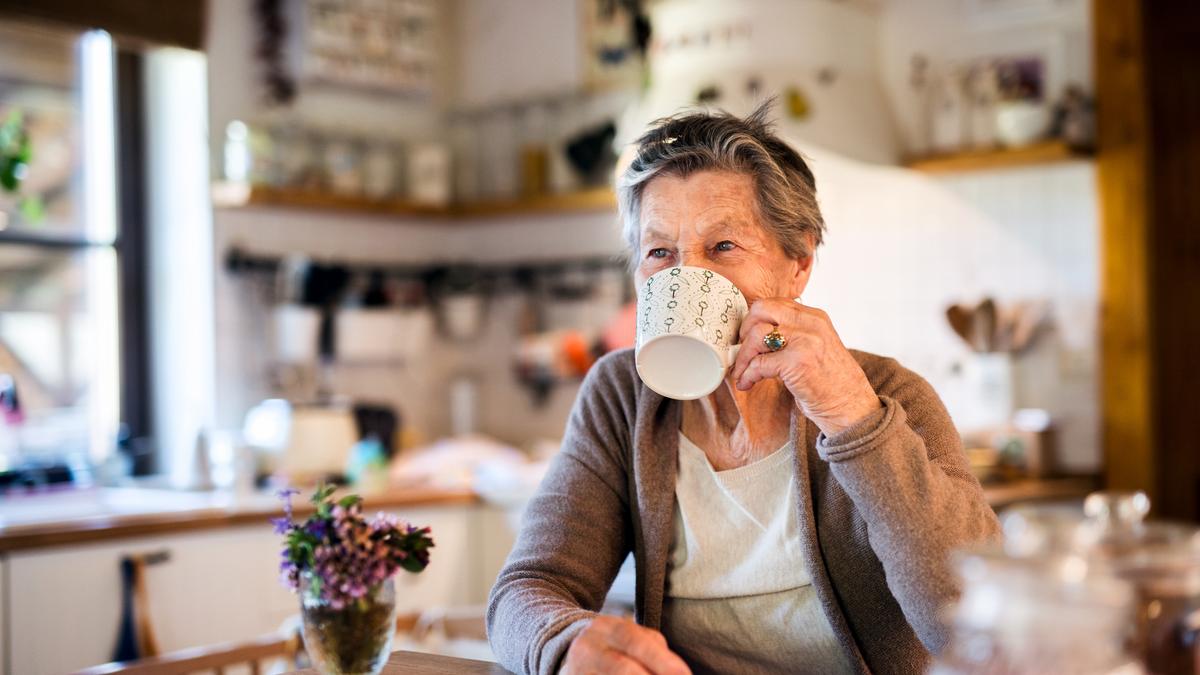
<point>822,375</point>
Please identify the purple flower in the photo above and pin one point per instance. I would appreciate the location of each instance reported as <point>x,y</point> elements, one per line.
<point>286,496</point>
<point>343,555</point>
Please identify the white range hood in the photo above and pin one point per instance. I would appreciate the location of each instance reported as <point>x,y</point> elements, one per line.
<point>819,54</point>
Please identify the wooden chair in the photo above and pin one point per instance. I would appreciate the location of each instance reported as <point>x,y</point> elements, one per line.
<point>214,659</point>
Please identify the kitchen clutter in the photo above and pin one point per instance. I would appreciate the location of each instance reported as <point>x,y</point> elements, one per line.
<point>548,145</point>
<point>1004,440</point>
<point>1092,590</point>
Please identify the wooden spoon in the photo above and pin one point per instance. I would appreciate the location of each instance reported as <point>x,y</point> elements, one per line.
<point>960,320</point>
<point>985,325</point>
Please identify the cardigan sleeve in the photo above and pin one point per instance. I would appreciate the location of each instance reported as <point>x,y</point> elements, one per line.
<point>574,535</point>
<point>905,470</point>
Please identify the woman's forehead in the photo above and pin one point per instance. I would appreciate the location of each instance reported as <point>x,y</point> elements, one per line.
<point>706,202</point>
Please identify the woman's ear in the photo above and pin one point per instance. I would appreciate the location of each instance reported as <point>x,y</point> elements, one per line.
<point>803,267</point>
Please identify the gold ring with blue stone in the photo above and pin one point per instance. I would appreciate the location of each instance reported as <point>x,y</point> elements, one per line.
<point>774,341</point>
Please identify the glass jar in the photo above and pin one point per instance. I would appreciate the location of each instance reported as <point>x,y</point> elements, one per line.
<point>1162,563</point>
<point>342,158</point>
<point>1052,614</point>
<point>356,638</point>
<point>1039,603</point>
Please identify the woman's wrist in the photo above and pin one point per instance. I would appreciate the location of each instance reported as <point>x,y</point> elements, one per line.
<point>849,415</point>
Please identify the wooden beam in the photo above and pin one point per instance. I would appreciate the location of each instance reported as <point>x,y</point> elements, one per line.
<point>1125,329</point>
<point>1171,35</point>
<point>1148,163</point>
<point>176,22</point>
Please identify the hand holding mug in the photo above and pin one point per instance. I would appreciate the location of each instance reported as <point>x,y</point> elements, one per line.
<point>829,386</point>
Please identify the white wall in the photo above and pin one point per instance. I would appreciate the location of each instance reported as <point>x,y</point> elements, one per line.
<point>516,49</point>
<point>902,246</point>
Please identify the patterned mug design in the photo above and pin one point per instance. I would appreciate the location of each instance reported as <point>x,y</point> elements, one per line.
<point>701,311</point>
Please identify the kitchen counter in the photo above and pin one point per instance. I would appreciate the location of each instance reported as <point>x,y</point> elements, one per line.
<point>1002,495</point>
<point>100,514</point>
<point>413,663</point>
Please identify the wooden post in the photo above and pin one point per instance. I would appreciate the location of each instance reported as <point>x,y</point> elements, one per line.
<point>1147,55</point>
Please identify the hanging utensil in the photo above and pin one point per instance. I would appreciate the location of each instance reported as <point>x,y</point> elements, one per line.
<point>961,321</point>
<point>1030,321</point>
<point>985,326</point>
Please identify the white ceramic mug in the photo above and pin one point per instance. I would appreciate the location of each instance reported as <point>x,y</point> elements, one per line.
<point>687,331</point>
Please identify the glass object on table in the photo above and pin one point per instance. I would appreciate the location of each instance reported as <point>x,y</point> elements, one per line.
<point>354,639</point>
<point>1038,603</point>
<point>1162,562</point>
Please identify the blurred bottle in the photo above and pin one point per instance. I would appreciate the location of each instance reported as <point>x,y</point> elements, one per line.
<point>248,154</point>
<point>533,160</point>
<point>464,143</point>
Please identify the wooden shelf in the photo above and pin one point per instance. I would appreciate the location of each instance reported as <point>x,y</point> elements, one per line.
<point>237,196</point>
<point>998,158</point>
<point>591,199</point>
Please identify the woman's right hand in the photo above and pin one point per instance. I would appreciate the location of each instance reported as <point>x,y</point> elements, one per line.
<point>611,644</point>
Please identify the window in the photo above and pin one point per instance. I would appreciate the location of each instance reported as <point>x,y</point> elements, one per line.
<point>62,252</point>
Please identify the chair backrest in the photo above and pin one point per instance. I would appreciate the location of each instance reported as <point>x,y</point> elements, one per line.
<point>214,659</point>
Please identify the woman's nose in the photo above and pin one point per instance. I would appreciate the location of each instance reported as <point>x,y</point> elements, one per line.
<point>692,259</point>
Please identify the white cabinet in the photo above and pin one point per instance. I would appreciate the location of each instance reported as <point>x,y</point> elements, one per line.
<point>218,585</point>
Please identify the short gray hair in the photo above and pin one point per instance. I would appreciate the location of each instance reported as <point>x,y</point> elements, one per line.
<point>687,143</point>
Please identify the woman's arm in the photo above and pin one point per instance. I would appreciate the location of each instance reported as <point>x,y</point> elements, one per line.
<point>905,470</point>
<point>575,534</point>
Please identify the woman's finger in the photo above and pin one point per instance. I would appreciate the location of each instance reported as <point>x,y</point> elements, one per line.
<point>778,311</point>
<point>648,648</point>
<point>752,345</point>
<point>763,366</point>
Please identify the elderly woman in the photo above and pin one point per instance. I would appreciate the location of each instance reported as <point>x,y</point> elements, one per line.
<point>799,518</point>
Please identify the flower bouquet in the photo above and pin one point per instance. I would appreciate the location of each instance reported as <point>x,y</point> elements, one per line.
<point>341,565</point>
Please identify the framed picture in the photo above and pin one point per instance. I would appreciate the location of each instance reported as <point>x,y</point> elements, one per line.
<point>1028,64</point>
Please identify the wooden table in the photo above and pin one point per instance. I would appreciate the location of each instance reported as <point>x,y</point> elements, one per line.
<point>414,663</point>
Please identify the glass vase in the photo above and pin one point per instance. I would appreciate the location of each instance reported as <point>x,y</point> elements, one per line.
<point>351,640</point>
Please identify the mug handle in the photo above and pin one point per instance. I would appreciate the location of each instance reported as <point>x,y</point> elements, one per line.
<point>730,355</point>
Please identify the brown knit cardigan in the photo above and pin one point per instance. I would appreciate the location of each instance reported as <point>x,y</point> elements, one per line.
<point>881,506</point>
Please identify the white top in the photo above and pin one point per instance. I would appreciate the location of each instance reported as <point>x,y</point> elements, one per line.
<point>739,597</point>
<point>735,531</point>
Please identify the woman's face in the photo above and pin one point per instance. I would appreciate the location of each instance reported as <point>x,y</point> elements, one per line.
<point>709,220</point>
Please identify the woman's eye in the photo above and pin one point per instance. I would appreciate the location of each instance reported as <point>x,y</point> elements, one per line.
<point>725,246</point>
<point>658,253</point>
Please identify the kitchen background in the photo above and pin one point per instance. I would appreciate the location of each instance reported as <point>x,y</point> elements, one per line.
<point>377,240</point>
<point>929,241</point>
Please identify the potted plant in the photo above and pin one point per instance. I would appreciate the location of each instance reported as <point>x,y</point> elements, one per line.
<point>342,566</point>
